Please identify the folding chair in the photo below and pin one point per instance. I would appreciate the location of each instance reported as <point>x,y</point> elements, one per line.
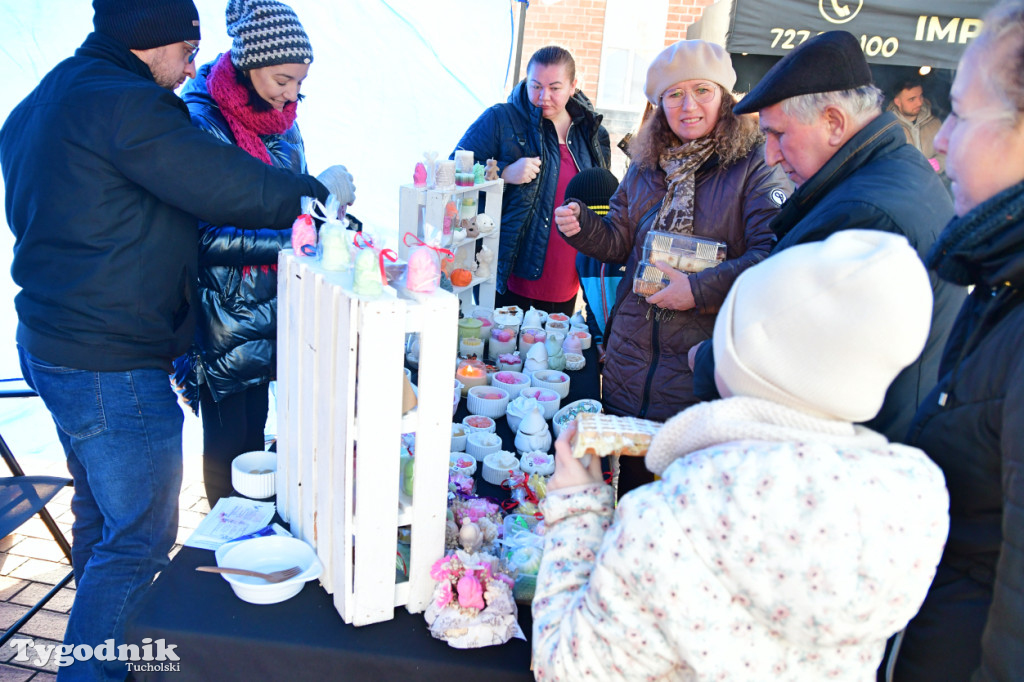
<point>21,498</point>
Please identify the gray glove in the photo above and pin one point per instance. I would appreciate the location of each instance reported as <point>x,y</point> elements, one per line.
<point>338,180</point>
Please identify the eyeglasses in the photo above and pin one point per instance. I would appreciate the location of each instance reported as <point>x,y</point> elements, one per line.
<point>673,99</point>
<point>193,53</point>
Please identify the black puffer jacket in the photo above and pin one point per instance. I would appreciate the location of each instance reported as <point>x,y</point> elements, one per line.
<point>236,335</point>
<point>508,132</point>
<point>105,176</point>
<point>646,373</point>
<point>972,426</point>
<point>876,181</point>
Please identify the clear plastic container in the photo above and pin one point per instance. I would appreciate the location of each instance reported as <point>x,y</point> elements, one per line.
<point>684,252</point>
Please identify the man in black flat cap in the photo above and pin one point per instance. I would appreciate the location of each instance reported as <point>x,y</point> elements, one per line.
<point>105,176</point>
<point>852,166</point>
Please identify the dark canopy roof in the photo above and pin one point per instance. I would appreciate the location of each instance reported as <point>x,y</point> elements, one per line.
<point>896,32</point>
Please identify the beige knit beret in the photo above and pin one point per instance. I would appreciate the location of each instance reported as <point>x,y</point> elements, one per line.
<point>688,60</point>
<point>825,327</point>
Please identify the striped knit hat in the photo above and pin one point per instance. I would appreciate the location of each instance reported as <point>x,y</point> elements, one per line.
<point>265,33</point>
<point>594,187</point>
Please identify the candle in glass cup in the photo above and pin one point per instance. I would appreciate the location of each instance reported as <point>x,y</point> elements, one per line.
<point>471,373</point>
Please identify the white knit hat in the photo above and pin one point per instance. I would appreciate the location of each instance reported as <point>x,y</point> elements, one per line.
<point>825,327</point>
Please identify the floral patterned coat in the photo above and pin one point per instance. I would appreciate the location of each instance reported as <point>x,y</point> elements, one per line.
<point>791,553</point>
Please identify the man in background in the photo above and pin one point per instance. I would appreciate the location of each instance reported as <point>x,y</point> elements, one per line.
<point>914,113</point>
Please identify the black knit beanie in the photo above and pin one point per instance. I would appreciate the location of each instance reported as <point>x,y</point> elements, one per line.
<point>594,187</point>
<point>144,24</point>
<point>265,33</point>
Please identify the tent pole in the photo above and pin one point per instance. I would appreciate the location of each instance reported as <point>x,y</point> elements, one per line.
<point>523,5</point>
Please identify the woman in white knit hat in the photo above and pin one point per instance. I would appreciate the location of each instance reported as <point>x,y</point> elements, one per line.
<point>246,97</point>
<point>783,540</point>
<point>697,169</point>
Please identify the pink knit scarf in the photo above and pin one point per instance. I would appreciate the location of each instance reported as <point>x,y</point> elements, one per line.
<point>245,123</point>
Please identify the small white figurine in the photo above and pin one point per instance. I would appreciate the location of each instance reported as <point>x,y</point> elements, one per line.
<point>483,262</point>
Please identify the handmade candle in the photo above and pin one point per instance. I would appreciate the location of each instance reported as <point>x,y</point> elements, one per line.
<point>469,326</point>
<point>471,345</point>
<point>503,340</point>
<point>471,373</point>
<point>334,246</point>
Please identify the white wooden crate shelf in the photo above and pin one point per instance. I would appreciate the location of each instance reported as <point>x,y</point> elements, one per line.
<point>419,206</point>
<point>339,439</point>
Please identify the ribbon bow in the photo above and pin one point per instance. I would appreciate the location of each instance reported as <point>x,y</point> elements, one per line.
<point>448,255</point>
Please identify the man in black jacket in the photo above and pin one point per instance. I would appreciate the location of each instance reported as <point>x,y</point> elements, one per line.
<point>105,178</point>
<point>853,168</point>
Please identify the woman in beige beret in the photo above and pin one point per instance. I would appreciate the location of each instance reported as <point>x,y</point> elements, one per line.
<point>697,169</point>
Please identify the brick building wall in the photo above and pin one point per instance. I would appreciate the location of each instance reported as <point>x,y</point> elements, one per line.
<point>578,25</point>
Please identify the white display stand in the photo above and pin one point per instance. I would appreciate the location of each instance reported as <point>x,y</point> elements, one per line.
<point>420,206</point>
<point>339,439</point>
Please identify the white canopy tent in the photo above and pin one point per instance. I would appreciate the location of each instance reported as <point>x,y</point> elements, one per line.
<point>390,80</point>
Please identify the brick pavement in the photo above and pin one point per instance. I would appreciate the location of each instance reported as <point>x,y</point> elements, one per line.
<point>31,563</point>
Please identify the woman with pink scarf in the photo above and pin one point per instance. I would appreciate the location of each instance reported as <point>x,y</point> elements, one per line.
<point>246,97</point>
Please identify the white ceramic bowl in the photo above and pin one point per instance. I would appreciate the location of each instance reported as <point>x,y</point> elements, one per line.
<point>458,396</point>
<point>456,458</point>
<point>493,472</point>
<point>266,554</point>
<point>555,326</point>
<point>574,362</point>
<point>253,474</point>
<point>548,400</point>
<point>470,429</point>
<point>492,407</point>
<point>553,380</point>
<point>584,336</point>
<point>568,413</point>
<point>459,432</point>
<point>518,381</point>
<point>479,445</point>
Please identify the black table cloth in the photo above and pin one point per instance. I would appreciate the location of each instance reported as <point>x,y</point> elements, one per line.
<point>219,637</point>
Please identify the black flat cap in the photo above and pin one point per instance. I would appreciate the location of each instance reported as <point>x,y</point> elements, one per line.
<point>826,62</point>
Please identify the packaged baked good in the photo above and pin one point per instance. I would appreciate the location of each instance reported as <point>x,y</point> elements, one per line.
<point>684,252</point>
<point>604,434</point>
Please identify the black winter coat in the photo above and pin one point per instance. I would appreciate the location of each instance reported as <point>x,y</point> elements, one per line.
<point>876,181</point>
<point>105,176</point>
<point>972,426</point>
<point>236,335</point>
<point>508,132</point>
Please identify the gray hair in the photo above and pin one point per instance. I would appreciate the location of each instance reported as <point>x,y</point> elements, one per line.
<point>860,104</point>
<point>1002,42</point>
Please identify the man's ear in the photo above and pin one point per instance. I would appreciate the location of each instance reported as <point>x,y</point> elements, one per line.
<point>838,125</point>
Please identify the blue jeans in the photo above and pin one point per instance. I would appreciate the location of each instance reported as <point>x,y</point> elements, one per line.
<point>121,432</point>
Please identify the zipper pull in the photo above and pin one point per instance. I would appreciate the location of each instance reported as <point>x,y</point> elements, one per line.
<point>942,399</point>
